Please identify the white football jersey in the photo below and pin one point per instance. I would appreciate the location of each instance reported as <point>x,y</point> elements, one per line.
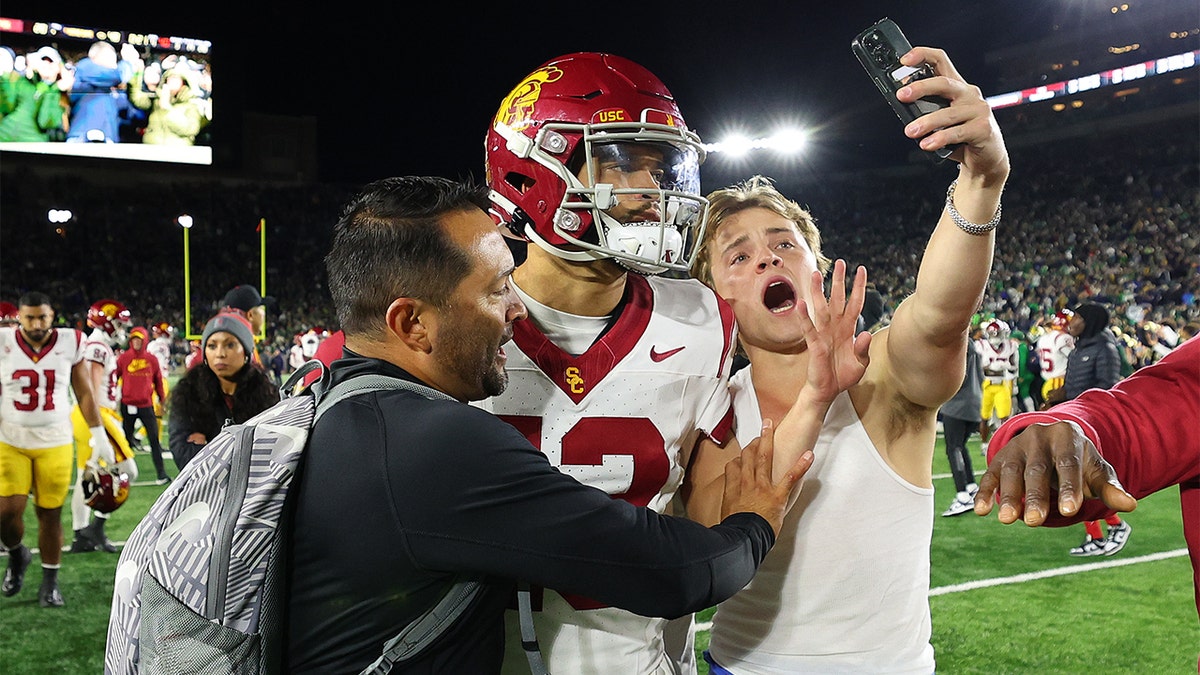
<point>97,349</point>
<point>999,362</point>
<point>1053,348</point>
<point>35,388</point>
<point>160,347</point>
<point>621,417</point>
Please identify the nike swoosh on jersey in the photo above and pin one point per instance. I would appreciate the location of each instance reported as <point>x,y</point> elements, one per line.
<point>657,356</point>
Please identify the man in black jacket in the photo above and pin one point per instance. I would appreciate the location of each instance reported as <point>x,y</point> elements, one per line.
<point>404,491</point>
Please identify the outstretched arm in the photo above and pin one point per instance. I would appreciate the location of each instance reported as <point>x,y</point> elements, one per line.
<point>929,327</point>
<point>1044,458</point>
<point>1136,433</point>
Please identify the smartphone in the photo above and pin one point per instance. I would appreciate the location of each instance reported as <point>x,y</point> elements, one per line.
<point>879,49</point>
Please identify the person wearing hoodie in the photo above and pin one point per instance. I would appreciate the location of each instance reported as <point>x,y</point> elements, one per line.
<point>1094,364</point>
<point>141,380</point>
<point>175,112</point>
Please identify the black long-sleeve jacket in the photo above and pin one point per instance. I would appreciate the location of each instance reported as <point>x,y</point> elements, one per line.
<point>400,493</point>
<point>1093,364</point>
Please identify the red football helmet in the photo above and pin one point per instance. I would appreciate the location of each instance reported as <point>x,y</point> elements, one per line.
<point>581,110</point>
<point>109,316</point>
<point>10,314</point>
<point>105,489</point>
<point>996,331</point>
<point>1061,319</point>
<point>161,328</point>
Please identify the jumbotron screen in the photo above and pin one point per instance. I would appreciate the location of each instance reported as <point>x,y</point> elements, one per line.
<point>104,91</point>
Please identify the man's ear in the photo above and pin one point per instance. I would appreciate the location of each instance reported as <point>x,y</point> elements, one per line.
<point>411,321</point>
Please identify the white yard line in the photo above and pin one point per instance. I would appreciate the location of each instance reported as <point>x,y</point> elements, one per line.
<point>1034,576</point>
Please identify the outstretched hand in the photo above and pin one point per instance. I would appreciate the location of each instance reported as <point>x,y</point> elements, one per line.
<point>748,484</point>
<point>1040,459</point>
<point>838,357</point>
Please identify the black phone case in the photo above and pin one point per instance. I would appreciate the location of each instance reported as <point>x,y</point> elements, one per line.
<point>879,49</point>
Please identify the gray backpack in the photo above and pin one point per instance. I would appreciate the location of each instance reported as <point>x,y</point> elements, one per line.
<point>198,585</point>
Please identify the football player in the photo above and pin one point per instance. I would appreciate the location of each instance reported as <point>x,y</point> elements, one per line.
<point>999,353</point>
<point>160,346</point>
<point>1053,348</point>
<point>590,161</point>
<point>110,322</point>
<point>38,363</point>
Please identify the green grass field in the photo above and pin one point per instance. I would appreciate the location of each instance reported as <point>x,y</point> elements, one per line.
<point>995,608</point>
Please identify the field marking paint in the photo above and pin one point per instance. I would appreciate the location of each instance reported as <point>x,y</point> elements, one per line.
<point>1034,576</point>
<point>1056,572</point>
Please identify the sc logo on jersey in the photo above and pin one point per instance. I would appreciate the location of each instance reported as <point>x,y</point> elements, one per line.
<point>574,380</point>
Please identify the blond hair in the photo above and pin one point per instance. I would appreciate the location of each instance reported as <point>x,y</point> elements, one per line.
<point>754,192</point>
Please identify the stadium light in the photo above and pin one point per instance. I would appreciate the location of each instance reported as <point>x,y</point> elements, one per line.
<point>59,216</point>
<point>786,141</point>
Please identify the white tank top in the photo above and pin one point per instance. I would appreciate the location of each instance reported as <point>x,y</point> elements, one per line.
<point>846,587</point>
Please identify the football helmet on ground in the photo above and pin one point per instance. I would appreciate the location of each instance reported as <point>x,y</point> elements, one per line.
<point>597,112</point>
<point>105,489</point>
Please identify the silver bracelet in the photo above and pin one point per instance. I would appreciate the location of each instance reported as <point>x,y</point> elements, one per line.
<point>964,224</point>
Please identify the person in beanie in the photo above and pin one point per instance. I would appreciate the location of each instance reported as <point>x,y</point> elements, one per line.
<point>247,300</point>
<point>1094,364</point>
<point>141,380</point>
<point>225,388</point>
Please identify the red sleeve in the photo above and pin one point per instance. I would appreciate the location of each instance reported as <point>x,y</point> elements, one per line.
<point>1144,425</point>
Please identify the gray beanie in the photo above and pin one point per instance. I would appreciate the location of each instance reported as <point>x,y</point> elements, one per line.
<point>233,324</point>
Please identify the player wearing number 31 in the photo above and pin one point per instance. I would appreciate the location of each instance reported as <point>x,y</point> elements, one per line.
<point>37,365</point>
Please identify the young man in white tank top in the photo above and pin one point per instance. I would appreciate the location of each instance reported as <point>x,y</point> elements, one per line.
<point>846,587</point>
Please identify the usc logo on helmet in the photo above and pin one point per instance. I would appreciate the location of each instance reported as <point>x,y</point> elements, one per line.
<point>516,110</point>
<point>574,380</point>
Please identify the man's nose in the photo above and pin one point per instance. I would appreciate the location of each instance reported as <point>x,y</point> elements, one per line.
<point>768,259</point>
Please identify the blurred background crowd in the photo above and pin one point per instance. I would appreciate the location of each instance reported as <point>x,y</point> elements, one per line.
<point>1100,217</point>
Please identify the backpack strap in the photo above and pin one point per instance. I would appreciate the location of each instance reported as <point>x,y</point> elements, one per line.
<point>425,628</point>
<point>533,652</point>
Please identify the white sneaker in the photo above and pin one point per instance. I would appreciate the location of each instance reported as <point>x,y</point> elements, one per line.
<point>1089,547</point>
<point>961,504</point>
<point>1118,536</point>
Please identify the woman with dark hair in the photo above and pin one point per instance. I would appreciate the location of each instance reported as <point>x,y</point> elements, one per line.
<point>225,388</point>
<point>1095,363</point>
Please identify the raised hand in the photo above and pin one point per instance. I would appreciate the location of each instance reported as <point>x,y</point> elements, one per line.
<point>837,356</point>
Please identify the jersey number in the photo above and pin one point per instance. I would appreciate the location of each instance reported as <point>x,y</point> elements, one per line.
<point>30,390</point>
<point>589,442</point>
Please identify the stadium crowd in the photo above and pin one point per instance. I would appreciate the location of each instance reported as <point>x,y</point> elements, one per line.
<point>1086,218</point>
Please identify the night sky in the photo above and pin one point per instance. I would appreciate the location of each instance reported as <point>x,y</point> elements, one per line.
<point>395,93</point>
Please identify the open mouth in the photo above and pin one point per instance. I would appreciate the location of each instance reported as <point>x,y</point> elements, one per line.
<point>779,297</point>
